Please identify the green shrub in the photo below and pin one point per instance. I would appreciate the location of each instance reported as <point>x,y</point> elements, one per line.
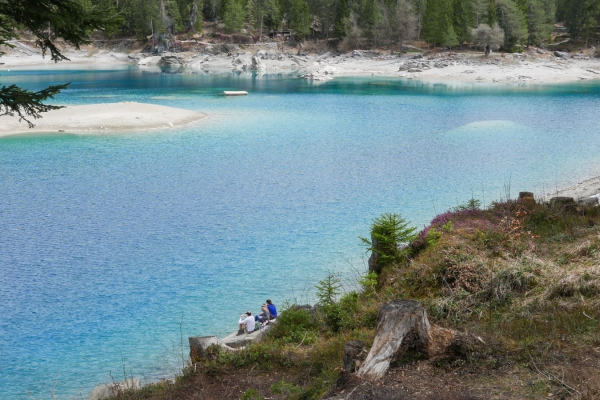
<point>251,394</point>
<point>286,389</point>
<point>295,326</point>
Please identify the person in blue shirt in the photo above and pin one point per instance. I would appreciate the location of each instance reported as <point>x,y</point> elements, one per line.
<point>272,309</point>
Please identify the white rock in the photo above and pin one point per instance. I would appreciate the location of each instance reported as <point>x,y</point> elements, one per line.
<point>105,391</point>
<point>150,60</point>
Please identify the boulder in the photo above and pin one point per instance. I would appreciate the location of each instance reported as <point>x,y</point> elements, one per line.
<point>154,60</point>
<point>256,64</point>
<point>172,60</point>
<point>561,54</point>
<point>328,70</point>
<point>415,70</point>
<point>271,54</point>
<point>108,390</point>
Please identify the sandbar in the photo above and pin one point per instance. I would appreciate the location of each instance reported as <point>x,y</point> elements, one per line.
<point>102,118</point>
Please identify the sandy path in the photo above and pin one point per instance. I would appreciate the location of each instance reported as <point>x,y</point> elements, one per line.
<point>103,118</point>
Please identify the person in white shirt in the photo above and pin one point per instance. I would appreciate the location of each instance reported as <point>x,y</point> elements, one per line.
<point>246,323</point>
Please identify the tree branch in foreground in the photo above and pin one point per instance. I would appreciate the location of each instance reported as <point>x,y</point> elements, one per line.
<point>26,104</point>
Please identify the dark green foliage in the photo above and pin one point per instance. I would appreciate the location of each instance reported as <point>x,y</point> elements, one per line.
<point>463,15</point>
<point>390,235</point>
<point>48,20</point>
<point>294,326</point>
<point>437,20</point>
<point>22,102</point>
<point>234,16</point>
<point>252,394</point>
<point>328,289</point>
<point>581,17</point>
<point>512,20</point>
<point>450,38</point>
<point>300,18</point>
<point>341,19</point>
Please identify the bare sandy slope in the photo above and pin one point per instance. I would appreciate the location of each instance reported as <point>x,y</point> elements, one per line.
<point>103,118</point>
<point>26,54</point>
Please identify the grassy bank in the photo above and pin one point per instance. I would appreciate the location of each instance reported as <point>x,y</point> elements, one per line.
<point>524,277</point>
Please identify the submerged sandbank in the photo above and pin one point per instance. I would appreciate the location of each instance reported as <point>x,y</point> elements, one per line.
<point>103,118</point>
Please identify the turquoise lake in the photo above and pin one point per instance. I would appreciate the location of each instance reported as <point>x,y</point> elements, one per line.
<point>115,248</point>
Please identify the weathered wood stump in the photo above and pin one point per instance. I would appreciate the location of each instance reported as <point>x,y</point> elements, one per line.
<point>353,350</point>
<point>398,322</point>
<point>199,344</point>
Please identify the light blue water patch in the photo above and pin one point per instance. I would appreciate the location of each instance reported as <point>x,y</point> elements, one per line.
<point>115,248</point>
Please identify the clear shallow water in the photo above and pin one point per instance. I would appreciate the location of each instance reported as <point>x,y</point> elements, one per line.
<point>113,248</point>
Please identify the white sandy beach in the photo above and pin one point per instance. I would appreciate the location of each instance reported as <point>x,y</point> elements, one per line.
<point>103,118</point>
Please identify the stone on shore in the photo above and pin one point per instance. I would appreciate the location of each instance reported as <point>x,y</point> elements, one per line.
<point>108,390</point>
<point>154,60</point>
<point>561,54</point>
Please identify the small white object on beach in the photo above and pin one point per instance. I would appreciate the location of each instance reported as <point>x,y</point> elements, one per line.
<point>235,93</point>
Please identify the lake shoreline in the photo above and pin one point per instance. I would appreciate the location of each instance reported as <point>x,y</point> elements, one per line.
<point>533,66</point>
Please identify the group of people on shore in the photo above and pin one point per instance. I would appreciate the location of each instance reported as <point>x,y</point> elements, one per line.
<point>247,322</point>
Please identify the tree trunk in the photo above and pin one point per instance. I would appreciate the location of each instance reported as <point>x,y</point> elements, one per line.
<point>403,322</point>
<point>374,258</point>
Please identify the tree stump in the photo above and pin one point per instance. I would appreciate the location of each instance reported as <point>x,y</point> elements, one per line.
<point>394,321</point>
<point>199,344</point>
<point>352,355</point>
<point>398,322</point>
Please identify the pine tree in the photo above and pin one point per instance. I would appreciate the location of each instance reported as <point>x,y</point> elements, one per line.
<point>512,20</point>
<point>581,18</point>
<point>66,19</point>
<point>450,38</point>
<point>234,16</point>
<point>463,20</point>
<point>300,18</point>
<point>341,19</point>
<point>436,20</point>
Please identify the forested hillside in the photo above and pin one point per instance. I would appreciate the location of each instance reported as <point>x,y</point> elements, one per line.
<point>509,24</point>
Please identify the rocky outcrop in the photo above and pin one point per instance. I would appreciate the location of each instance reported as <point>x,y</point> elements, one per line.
<point>172,60</point>
<point>154,60</point>
<point>256,64</point>
<point>106,390</point>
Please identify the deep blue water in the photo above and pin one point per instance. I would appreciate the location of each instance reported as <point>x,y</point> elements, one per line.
<point>115,248</point>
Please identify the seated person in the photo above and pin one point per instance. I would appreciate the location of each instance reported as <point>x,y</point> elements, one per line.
<point>264,316</point>
<point>272,309</point>
<point>246,323</point>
